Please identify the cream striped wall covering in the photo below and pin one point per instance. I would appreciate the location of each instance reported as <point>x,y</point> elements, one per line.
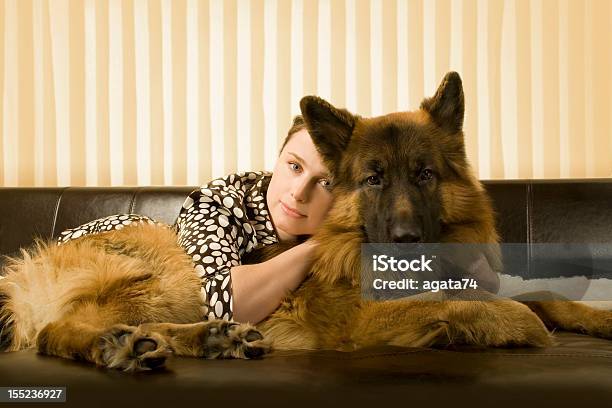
<point>173,92</point>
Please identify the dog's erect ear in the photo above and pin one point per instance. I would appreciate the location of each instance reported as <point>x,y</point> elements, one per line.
<point>329,127</point>
<point>447,106</point>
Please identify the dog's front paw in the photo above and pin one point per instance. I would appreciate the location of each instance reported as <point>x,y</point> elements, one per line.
<point>128,348</point>
<point>223,339</point>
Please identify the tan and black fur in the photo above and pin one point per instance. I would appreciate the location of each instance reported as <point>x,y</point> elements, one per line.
<point>129,298</point>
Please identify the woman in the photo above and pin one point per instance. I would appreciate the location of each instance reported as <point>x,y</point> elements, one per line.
<point>230,216</point>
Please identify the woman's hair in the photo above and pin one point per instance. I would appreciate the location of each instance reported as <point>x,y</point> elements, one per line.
<point>297,125</point>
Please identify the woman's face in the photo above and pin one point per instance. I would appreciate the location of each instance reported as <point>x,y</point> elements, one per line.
<point>298,195</point>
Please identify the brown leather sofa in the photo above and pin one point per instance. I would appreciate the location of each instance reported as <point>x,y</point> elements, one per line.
<point>577,371</point>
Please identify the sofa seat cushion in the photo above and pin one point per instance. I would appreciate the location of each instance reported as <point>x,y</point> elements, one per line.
<point>577,370</point>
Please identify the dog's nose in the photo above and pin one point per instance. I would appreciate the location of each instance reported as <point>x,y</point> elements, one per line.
<point>405,234</point>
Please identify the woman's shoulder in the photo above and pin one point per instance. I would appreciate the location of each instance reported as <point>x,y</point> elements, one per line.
<point>245,179</point>
<point>232,190</point>
<point>233,185</point>
<point>232,205</point>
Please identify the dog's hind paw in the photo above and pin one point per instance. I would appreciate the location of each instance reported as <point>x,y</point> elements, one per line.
<point>130,349</point>
<point>600,325</point>
<point>497,323</point>
<point>223,339</point>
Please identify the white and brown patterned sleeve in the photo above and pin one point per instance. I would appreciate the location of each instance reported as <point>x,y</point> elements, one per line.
<point>105,224</point>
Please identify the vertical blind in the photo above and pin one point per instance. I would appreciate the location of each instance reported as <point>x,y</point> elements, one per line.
<point>173,92</point>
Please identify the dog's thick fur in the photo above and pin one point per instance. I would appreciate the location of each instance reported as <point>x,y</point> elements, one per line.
<point>128,298</point>
<point>125,299</point>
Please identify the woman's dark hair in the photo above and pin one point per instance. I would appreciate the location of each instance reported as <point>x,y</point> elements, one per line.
<point>297,125</point>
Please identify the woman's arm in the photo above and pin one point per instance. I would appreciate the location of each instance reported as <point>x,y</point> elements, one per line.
<point>259,288</point>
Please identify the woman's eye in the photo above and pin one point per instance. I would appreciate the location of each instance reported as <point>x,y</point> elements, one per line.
<point>294,166</point>
<point>373,180</point>
<point>426,175</point>
<point>325,183</point>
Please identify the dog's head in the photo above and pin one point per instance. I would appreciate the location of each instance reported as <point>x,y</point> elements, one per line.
<point>405,175</point>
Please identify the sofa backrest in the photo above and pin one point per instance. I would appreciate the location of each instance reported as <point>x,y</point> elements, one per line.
<point>527,211</point>
<point>29,213</point>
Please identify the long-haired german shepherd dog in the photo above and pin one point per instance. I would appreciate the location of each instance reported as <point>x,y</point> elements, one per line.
<point>129,298</point>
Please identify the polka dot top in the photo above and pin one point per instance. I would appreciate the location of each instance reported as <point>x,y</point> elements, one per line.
<point>218,224</point>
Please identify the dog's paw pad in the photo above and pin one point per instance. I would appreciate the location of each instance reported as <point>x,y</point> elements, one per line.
<point>128,349</point>
<point>223,339</point>
<point>249,342</point>
<point>144,346</point>
<point>255,351</point>
<point>253,335</point>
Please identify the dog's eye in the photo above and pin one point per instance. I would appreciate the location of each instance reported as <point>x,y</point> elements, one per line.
<point>326,184</point>
<point>373,180</point>
<point>426,175</point>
